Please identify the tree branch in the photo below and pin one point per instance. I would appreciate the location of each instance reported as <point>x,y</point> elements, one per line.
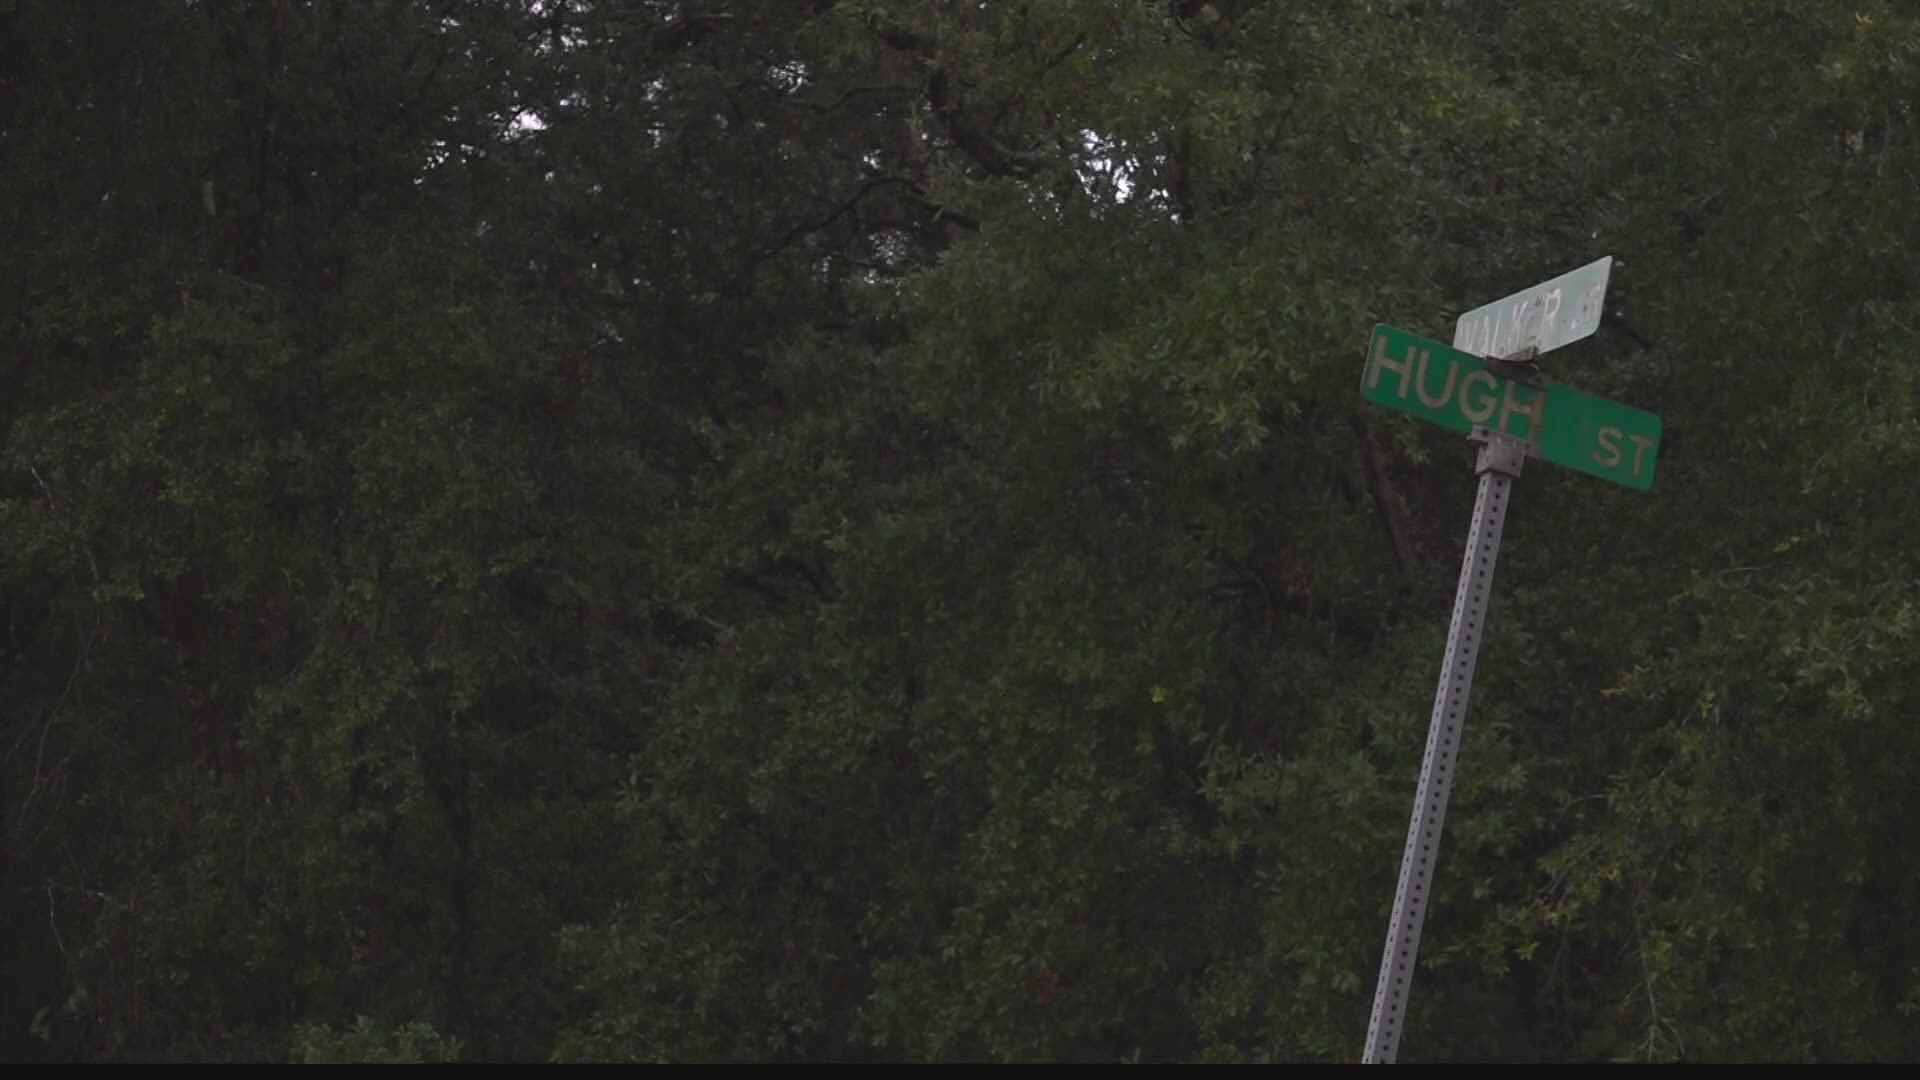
<point>866,187</point>
<point>985,151</point>
<point>1386,499</point>
<point>1053,62</point>
<point>978,145</point>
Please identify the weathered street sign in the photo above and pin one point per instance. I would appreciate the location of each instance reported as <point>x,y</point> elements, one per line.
<point>1547,316</point>
<point>1454,389</point>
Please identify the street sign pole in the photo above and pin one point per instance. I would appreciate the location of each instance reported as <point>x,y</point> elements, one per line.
<point>1500,459</point>
<point>1512,413</point>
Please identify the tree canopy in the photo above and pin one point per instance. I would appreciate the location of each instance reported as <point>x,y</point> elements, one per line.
<point>846,530</point>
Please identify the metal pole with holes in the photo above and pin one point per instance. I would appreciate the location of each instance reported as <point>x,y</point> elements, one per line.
<point>1499,464</point>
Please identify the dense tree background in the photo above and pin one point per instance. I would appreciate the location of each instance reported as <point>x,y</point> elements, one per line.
<point>746,530</point>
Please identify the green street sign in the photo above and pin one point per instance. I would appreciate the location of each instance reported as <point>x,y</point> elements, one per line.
<point>1454,389</point>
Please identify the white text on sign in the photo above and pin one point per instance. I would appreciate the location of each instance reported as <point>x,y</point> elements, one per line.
<point>1471,396</point>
